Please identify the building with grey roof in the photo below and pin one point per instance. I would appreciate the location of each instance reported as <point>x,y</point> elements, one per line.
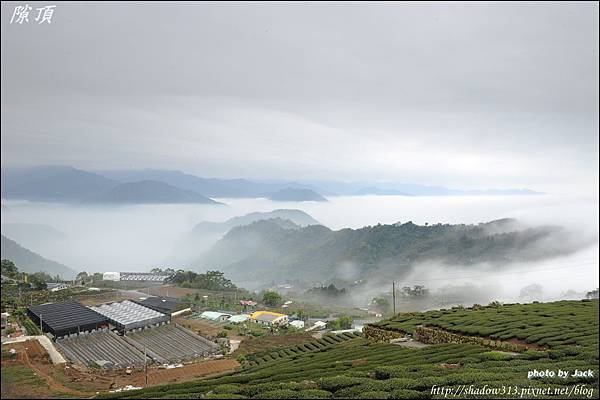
<point>128,315</point>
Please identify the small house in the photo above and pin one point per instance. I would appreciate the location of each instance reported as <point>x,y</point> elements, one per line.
<point>297,324</point>
<point>55,287</point>
<point>237,319</point>
<point>269,318</point>
<point>215,316</point>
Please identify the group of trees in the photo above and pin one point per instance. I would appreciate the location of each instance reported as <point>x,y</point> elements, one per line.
<point>35,281</point>
<point>417,291</point>
<point>328,291</point>
<point>84,277</point>
<point>343,322</point>
<point>271,298</point>
<point>210,280</point>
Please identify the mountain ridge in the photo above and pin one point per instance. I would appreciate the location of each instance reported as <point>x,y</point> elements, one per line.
<point>31,262</point>
<point>262,249</point>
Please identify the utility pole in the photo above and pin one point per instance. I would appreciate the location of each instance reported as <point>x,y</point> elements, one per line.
<point>145,366</point>
<point>394,295</point>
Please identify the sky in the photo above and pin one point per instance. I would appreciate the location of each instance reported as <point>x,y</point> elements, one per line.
<point>469,96</point>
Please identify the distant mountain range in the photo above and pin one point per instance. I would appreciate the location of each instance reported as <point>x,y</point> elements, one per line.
<point>264,252</point>
<point>70,185</point>
<point>295,194</point>
<point>30,262</point>
<point>207,233</point>
<point>53,184</point>
<point>148,192</point>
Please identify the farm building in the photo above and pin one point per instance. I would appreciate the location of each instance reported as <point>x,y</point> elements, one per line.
<point>236,319</point>
<point>318,325</point>
<point>55,287</point>
<point>297,324</point>
<point>269,318</point>
<point>127,315</point>
<point>63,319</point>
<point>111,276</point>
<point>145,276</point>
<point>215,316</point>
<point>165,305</point>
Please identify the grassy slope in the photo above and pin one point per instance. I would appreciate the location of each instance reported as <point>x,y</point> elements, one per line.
<point>358,368</point>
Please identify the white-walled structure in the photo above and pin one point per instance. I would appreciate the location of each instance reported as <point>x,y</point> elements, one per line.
<point>111,276</point>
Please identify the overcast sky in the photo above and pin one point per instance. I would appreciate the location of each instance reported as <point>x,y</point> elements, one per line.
<point>461,95</point>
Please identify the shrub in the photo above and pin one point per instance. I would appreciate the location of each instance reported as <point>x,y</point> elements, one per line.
<point>335,383</point>
<point>374,395</point>
<point>278,394</point>
<point>223,396</point>
<point>409,394</point>
<point>496,355</point>
<point>227,388</point>
<point>314,394</point>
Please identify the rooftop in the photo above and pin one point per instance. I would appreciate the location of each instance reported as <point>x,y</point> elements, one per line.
<point>65,315</point>
<point>158,303</point>
<point>213,314</point>
<point>127,312</point>
<point>266,316</point>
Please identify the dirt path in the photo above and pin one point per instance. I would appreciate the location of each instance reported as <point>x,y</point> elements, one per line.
<point>55,386</point>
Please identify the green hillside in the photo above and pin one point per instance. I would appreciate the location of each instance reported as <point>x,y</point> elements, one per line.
<point>360,368</point>
<point>264,250</point>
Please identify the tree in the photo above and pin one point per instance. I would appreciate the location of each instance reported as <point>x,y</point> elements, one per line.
<point>592,295</point>
<point>38,283</point>
<point>343,322</point>
<point>271,298</point>
<point>416,291</point>
<point>382,304</point>
<point>9,269</point>
<point>82,276</point>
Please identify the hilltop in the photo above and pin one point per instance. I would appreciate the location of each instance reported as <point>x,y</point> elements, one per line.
<point>206,233</point>
<point>264,251</point>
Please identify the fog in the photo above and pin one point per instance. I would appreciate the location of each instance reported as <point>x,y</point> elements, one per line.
<point>138,238</point>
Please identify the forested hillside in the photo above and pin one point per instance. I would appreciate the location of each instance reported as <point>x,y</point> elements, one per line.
<point>265,250</point>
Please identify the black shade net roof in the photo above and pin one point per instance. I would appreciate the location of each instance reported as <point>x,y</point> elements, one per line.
<point>60,316</point>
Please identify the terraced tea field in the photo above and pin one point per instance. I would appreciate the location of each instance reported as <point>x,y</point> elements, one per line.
<point>557,324</point>
<point>355,367</point>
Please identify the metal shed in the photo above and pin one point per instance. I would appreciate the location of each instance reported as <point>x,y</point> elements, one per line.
<point>62,319</point>
<point>127,315</point>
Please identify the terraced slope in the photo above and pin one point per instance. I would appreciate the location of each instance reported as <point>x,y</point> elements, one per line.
<point>547,324</point>
<point>359,368</point>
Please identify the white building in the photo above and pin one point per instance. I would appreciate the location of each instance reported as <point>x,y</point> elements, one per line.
<point>111,276</point>
<point>297,324</point>
<point>55,287</point>
<point>215,316</point>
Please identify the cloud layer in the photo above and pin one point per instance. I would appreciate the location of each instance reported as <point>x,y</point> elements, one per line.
<point>468,96</point>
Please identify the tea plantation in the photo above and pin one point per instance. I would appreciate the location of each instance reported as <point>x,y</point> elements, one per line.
<point>556,324</point>
<point>349,366</point>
